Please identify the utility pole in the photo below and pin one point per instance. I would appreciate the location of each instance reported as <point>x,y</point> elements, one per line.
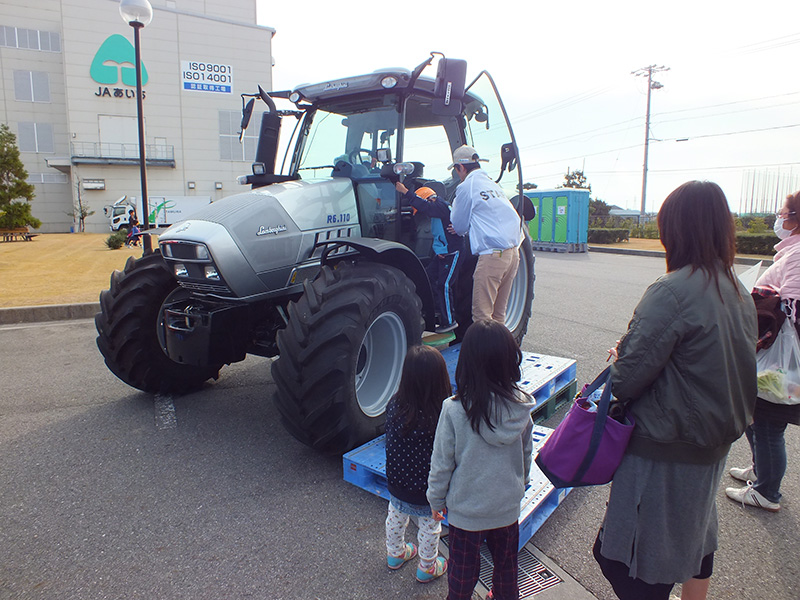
<point>651,85</point>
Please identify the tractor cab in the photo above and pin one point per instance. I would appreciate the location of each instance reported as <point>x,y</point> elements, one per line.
<point>390,125</point>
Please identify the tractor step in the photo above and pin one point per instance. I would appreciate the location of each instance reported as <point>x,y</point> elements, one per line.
<point>436,340</point>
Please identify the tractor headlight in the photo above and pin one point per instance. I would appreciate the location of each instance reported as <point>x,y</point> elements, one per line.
<point>181,270</point>
<point>211,273</point>
<point>389,82</point>
<point>201,251</point>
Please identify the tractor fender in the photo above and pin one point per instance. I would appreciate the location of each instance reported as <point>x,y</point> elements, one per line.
<point>388,253</point>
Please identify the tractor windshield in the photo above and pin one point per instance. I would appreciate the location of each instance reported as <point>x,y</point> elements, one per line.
<point>350,132</point>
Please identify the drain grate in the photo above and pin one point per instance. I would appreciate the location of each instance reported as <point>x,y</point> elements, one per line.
<point>533,578</point>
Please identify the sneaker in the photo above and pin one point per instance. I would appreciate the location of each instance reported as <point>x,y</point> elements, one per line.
<point>446,328</point>
<point>437,569</point>
<point>743,474</point>
<point>395,562</point>
<point>748,495</point>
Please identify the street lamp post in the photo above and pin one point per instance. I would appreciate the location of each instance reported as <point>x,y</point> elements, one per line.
<point>138,14</point>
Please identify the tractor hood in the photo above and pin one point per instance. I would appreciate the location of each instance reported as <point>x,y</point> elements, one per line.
<point>257,239</point>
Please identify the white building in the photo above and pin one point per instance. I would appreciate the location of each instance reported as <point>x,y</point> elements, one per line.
<point>69,94</point>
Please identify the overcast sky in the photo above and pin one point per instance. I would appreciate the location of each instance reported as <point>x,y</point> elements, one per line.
<point>732,91</point>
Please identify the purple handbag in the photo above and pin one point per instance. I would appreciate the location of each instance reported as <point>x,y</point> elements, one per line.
<point>587,446</point>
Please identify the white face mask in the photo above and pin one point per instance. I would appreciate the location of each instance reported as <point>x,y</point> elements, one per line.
<point>779,230</point>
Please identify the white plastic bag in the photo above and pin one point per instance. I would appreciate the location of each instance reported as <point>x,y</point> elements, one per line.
<point>779,368</point>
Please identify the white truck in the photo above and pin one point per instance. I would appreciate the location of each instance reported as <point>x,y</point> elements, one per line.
<point>120,213</point>
<point>163,210</point>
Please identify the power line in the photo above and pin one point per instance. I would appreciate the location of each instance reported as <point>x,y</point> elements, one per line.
<point>580,156</point>
<point>670,112</point>
<point>549,162</point>
<point>696,169</point>
<point>558,141</point>
<point>709,135</point>
<point>771,44</point>
<point>730,112</point>
<point>562,104</point>
<point>565,139</point>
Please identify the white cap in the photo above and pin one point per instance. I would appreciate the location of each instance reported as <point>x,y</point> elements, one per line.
<point>465,155</point>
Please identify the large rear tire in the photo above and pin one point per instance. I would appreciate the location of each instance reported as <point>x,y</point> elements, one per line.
<point>342,352</point>
<point>127,330</point>
<point>520,301</point>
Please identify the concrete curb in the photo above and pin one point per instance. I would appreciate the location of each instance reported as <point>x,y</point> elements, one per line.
<point>739,260</point>
<point>65,312</point>
<point>52,312</point>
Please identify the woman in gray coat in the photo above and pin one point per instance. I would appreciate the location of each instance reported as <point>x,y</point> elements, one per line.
<point>686,367</point>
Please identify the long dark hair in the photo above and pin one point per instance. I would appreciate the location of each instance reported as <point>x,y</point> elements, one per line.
<point>697,229</point>
<point>487,371</point>
<point>424,385</point>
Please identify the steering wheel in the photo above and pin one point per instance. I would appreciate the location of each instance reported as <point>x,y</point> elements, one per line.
<point>354,156</point>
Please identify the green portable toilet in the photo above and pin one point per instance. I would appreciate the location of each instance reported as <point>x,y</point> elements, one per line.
<point>562,219</point>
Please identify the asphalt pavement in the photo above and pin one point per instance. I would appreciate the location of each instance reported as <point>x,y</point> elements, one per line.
<point>108,494</point>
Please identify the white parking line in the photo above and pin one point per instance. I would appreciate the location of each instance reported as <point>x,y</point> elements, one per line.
<point>165,412</point>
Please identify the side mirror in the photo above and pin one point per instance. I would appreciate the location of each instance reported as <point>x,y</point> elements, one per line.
<point>451,77</point>
<point>383,155</point>
<point>508,154</point>
<point>247,112</point>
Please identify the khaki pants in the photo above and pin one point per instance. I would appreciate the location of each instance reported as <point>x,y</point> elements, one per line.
<point>491,284</point>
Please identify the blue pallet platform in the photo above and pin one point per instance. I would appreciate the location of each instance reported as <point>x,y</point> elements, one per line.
<point>550,380</point>
<point>365,467</point>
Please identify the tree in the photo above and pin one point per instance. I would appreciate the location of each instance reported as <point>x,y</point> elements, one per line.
<point>577,180</point>
<point>598,208</point>
<point>80,210</point>
<point>757,225</point>
<point>529,186</point>
<point>16,193</point>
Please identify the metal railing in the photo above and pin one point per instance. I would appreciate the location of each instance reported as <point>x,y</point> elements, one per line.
<point>99,150</point>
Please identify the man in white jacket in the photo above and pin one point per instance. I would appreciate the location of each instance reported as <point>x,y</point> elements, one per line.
<point>481,209</point>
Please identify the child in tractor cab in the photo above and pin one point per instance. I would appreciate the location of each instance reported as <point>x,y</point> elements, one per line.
<point>446,250</point>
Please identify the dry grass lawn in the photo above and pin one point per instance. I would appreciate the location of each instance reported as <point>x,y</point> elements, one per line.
<point>66,268</point>
<point>58,268</point>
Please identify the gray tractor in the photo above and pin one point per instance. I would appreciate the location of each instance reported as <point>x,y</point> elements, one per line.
<point>320,265</point>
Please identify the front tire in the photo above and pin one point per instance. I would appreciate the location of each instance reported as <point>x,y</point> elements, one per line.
<point>127,329</point>
<point>342,352</point>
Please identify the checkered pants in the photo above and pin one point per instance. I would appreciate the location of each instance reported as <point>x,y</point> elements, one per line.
<point>427,535</point>
<point>465,562</point>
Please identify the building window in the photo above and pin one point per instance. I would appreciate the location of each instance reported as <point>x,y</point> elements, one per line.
<point>31,86</point>
<point>30,39</point>
<point>229,146</point>
<point>36,137</point>
<point>47,178</point>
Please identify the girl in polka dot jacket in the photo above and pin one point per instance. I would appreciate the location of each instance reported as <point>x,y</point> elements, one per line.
<point>411,418</point>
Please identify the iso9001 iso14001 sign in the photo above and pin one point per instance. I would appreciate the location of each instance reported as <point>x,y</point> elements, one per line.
<point>206,77</point>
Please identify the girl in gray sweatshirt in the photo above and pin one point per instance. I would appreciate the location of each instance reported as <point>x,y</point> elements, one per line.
<point>481,460</point>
